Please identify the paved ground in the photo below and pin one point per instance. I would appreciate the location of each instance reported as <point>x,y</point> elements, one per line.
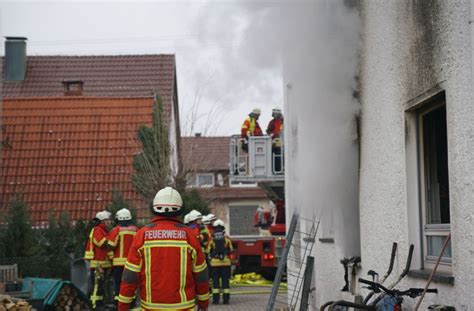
<point>248,299</point>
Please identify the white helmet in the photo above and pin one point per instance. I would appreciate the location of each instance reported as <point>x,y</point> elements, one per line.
<point>211,217</point>
<point>218,223</point>
<point>103,215</point>
<point>167,200</point>
<point>186,219</point>
<point>256,111</point>
<point>123,214</point>
<point>194,215</point>
<point>206,220</point>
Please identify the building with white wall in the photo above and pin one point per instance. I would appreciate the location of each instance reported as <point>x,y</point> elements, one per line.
<point>412,163</point>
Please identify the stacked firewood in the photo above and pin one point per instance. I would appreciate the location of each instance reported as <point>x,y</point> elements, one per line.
<point>68,300</point>
<point>8,303</point>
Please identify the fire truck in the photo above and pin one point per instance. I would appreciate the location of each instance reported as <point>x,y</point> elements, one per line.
<point>259,163</point>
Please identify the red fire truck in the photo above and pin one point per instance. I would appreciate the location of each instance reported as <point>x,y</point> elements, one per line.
<point>265,167</point>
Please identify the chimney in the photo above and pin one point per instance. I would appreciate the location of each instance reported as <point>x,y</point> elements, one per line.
<point>15,58</point>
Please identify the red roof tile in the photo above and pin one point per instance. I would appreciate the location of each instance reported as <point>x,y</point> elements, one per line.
<point>205,154</point>
<point>103,76</point>
<point>70,153</point>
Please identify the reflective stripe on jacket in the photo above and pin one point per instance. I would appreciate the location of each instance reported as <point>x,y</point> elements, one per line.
<point>120,239</point>
<point>217,262</point>
<point>96,252</point>
<point>170,266</point>
<point>250,127</point>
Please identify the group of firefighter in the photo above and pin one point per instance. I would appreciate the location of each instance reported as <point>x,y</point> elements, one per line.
<point>251,127</point>
<point>166,263</point>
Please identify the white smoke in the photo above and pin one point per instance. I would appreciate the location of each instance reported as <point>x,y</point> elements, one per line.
<point>308,51</point>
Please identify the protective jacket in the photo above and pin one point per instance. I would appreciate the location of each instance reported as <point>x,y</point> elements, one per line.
<point>219,259</point>
<point>274,128</point>
<point>250,127</point>
<point>120,240</point>
<point>96,251</point>
<point>167,264</point>
<point>201,233</point>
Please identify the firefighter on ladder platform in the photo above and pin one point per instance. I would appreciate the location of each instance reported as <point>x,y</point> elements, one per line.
<point>220,248</point>
<point>275,131</point>
<point>120,241</point>
<point>96,254</point>
<point>165,262</point>
<point>250,127</point>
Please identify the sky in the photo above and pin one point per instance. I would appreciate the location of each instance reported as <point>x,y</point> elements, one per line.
<point>218,85</point>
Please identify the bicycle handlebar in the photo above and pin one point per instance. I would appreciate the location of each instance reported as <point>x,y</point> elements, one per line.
<point>412,292</point>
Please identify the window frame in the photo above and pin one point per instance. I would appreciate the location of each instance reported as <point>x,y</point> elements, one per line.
<point>196,184</point>
<point>426,229</point>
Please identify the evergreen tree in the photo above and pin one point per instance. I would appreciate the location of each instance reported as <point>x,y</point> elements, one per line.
<point>152,165</point>
<point>18,239</point>
<point>192,200</point>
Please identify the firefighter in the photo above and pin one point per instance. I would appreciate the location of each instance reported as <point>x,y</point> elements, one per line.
<point>200,230</point>
<point>96,254</point>
<point>165,262</point>
<point>275,131</point>
<point>120,241</point>
<point>250,127</point>
<point>219,249</point>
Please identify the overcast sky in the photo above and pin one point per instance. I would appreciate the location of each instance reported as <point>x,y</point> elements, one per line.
<point>207,37</point>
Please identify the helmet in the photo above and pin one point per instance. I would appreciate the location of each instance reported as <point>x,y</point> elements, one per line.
<point>211,217</point>
<point>194,215</point>
<point>276,112</point>
<point>167,202</point>
<point>186,219</point>
<point>218,223</point>
<point>103,215</point>
<point>123,214</point>
<point>256,111</point>
<point>206,220</point>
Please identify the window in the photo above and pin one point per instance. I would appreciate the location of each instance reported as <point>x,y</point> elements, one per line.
<point>200,180</point>
<point>241,220</point>
<point>435,180</point>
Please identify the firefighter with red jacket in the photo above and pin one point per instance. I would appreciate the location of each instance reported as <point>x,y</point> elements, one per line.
<point>199,229</point>
<point>220,248</point>
<point>165,262</point>
<point>120,241</point>
<point>250,127</point>
<point>275,131</point>
<point>96,254</point>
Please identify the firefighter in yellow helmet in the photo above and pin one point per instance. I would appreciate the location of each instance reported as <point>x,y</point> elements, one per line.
<point>220,248</point>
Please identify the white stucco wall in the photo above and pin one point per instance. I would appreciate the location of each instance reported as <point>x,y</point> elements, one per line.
<point>411,48</point>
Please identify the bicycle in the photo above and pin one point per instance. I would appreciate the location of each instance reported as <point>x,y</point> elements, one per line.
<point>389,299</point>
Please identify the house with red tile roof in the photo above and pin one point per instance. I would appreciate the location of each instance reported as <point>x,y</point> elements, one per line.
<point>206,160</point>
<point>69,129</point>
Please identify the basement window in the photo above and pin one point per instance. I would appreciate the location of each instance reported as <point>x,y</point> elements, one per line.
<point>433,151</point>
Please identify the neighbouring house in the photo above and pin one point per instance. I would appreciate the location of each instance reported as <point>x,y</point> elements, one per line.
<point>206,161</point>
<point>413,159</point>
<point>69,127</point>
